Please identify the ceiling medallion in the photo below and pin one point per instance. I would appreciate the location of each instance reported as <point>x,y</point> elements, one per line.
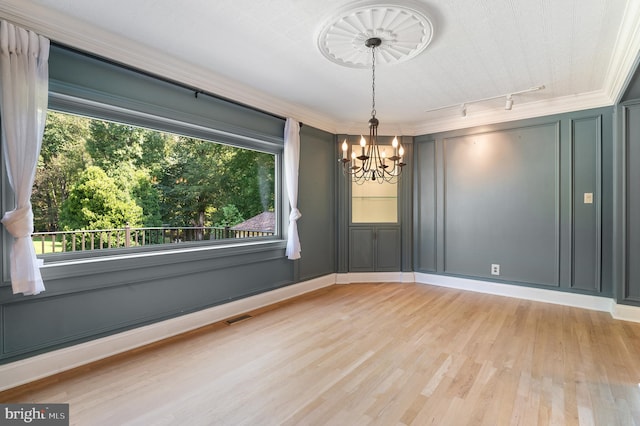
<point>404,31</point>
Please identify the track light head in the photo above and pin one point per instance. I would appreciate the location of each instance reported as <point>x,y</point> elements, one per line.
<point>509,103</point>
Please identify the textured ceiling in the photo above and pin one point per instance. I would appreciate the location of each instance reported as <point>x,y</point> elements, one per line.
<point>264,53</point>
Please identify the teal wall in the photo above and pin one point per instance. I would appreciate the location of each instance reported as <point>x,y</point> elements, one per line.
<point>512,194</point>
<point>87,300</point>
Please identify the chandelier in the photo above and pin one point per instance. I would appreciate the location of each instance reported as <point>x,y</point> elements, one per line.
<point>373,164</point>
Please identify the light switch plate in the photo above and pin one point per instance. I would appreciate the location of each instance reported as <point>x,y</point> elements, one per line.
<point>588,197</point>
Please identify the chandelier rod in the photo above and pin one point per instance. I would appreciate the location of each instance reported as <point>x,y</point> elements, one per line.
<point>373,80</point>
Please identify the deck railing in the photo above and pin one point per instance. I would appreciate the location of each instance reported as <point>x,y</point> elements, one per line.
<point>82,240</point>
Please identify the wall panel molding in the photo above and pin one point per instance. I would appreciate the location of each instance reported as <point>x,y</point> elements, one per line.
<point>426,207</point>
<point>586,219</point>
<point>630,203</point>
<point>501,192</point>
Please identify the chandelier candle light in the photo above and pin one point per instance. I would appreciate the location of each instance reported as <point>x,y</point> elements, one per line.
<point>373,163</point>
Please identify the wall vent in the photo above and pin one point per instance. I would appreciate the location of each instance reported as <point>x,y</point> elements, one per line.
<point>238,319</point>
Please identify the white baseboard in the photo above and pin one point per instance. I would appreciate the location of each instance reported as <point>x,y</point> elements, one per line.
<point>626,313</point>
<point>595,303</point>
<point>37,367</point>
<point>375,277</point>
<point>584,301</point>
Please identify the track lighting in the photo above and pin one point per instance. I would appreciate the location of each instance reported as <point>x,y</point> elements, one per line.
<point>508,105</point>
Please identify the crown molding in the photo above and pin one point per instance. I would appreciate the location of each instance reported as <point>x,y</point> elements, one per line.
<point>76,34</point>
<point>79,35</point>
<point>626,56</point>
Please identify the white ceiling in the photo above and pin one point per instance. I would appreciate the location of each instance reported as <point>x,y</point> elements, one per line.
<point>264,53</point>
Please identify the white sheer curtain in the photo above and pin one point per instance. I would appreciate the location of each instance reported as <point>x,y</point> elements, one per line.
<point>24,88</point>
<point>291,161</point>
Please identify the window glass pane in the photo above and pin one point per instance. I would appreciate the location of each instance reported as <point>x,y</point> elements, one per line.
<point>373,202</point>
<point>102,185</point>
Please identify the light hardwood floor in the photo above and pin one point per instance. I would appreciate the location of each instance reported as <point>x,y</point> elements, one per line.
<point>359,354</point>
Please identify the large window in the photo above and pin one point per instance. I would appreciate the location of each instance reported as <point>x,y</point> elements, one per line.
<point>104,185</point>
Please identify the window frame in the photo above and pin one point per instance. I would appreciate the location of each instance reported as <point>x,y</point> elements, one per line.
<point>82,107</point>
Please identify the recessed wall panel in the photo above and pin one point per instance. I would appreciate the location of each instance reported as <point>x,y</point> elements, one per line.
<point>361,251</point>
<point>40,323</point>
<point>501,204</point>
<point>316,201</point>
<point>586,203</point>
<point>632,136</point>
<point>387,248</point>
<point>426,201</point>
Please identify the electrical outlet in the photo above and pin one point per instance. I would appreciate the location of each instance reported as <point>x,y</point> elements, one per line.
<point>495,269</point>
